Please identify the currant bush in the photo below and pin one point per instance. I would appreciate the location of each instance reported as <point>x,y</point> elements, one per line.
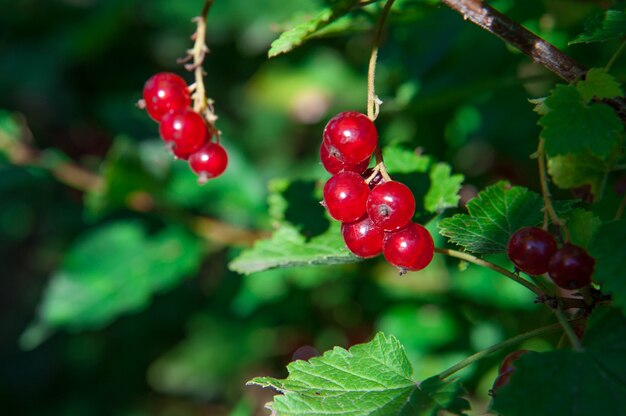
<point>391,205</point>
<point>334,165</point>
<point>530,249</point>
<point>165,92</point>
<point>345,196</point>
<point>362,237</point>
<point>350,137</point>
<point>209,162</point>
<point>410,248</point>
<point>184,132</point>
<point>571,267</point>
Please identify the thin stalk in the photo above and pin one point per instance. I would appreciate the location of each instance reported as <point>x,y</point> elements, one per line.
<point>620,209</point>
<point>372,100</point>
<point>567,329</point>
<point>615,56</point>
<point>545,191</point>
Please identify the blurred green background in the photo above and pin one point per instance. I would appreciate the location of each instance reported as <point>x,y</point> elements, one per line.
<point>176,332</point>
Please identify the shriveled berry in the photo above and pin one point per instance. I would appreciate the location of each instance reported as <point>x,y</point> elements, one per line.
<point>209,162</point>
<point>391,205</point>
<point>334,165</point>
<point>351,137</point>
<point>345,195</point>
<point>530,249</point>
<point>165,92</point>
<point>571,267</point>
<point>184,131</point>
<point>362,237</point>
<point>409,248</point>
<point>507,368</point>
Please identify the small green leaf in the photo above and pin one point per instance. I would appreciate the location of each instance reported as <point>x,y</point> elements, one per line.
<point>375,378</point>
<point>444,189</point>
<point>566,382</point>
<point>573,126</point>
<point>400,160</point>
<point>607,248</point>
<point>606,25</point>
<point>582,226</point>
<point>599,84</point>
<point>493,216</point>
<point>571,171</point>
<point>109,271</point>
<point>297,35</point>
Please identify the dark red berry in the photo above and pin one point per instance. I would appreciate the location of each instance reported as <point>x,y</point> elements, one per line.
<point>571,267</point>
<point>376,180</point>
<point>165,92</point>
<point>185,132</point>
<point>507,368</point>
<point>362,237</point>
<point>209,162</point>
<point>334,165</point>
<point>391,205</point>
<point>530,249</point>
<point>409,248</point>
<point>345,195</point>
<point>351,137</point>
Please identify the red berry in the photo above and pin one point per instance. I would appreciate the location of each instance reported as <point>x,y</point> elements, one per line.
<point>334,165</point>
<point>209,162</point>
<point>165,92</point>
<point>362,237</point>
<point>391,205</point>
<point>376,180</point>
<point>530,249</point>
<point>351,137</point>
<point>507,368</point>
<point>571,267</point>
<point>185,132</point>
<point>409,248</point>
<point>345,195</point>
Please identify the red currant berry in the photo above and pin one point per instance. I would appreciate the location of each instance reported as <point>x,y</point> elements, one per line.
<point>391,205</point>
<point>345,195</point>
<point>185,132</point>
<point>507,368</point>
<point>165,92</point>
<point>571,267</point>
<point>209,162</point>
<point>376,180</point>
<point>362,237</point>
<point>334,165</point>
<point>530,249</point>
<point>409,248</point>
<point>351,137</point>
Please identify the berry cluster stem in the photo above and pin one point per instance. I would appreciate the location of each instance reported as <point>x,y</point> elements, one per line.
<point>545,191</point>
<point>373,102</point>
<point>567,329</point>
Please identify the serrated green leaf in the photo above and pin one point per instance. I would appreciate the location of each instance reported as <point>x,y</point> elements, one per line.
<point>606,25</point>
<point>444,189</point>
<point>566,382</point>
<point>493,216</point>
<point>297,35</point>
<point>400,160</point>
<point>370,379</point>
<point>109,271</point>
<point>573,126</point>
<point>599,84</point>
<point>288,248</point>
<point>572,171</point>
<point>607,248</point>
<point>582,225</point>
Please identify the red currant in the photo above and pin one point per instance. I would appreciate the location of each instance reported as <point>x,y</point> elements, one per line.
<point>571,267</point>
<point>351,137</point>
<point>345,195</point>
<point>334,165</point>
<point>506,369</point>
<point>165,92</point>
<point>209,162</point>
<point>376,180</point>
<point>362,237</point>
<point>391,205</point>
<point>530,249</point>
<point>409,248</point>
<point>185,132</point>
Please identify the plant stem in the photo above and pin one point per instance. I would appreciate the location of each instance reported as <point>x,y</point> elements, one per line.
<point>567,328</point>
<point>372,100</point>
<point>616,55</point>
<point>620,209</point>
<point>547,201</point>
<point>484,263</point>
<point>504,344</point>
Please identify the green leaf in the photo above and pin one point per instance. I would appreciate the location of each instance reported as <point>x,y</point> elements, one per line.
<point>444,189</point>
<point>400,160</point>
<point>607,25</point>
<point>566,382</point>
<point>599,84</point>
<point>582,225</point>
<point>571,171</point>
<point>375,378</point>
<point>573,126</point>
<point>109,271</point>
<point>607,248</point>
<point>493,216</point>
<point>297,35</point>
<point>288,248</point>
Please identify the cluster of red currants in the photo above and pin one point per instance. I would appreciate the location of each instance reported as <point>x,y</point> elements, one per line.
<point>535,252</point>
<point>375,212</point>
<point>185,132</point>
